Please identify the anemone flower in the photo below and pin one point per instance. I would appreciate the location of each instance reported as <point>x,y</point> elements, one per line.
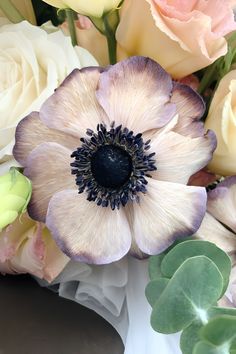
<point>219,224</point>
<point>110,154</point>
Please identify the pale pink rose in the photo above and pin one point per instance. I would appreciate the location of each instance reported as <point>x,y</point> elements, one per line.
<point>191,81</point>
<point>183,36</point>
<point>26,246</point>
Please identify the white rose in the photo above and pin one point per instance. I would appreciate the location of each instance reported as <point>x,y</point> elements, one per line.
<point>32,64</point>
<point>222,120</point>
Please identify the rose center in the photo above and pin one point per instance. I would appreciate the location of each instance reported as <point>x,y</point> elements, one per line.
<point>111,166</point>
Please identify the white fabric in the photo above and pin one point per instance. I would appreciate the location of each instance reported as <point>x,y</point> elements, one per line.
<point>116,292</point>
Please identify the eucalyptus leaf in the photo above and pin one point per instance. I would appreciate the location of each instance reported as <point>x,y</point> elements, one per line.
<point>220,331</point>
<point>216,311</point>
<point>189,337</point>
<point>208,348</point>
<point>192,248</point>
<point>193,289</point>
<point>154,290</point>
<point>154,266</point>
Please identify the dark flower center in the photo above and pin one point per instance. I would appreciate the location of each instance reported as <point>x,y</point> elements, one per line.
<point>111,166</point>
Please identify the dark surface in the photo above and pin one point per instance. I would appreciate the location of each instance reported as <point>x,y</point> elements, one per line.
<point>35,320</point>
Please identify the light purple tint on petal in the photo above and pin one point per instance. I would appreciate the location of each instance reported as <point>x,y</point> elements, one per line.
<point>167,212</point>
<point>31,132</point>
<point>136,93</point>
<point>73,107</point>
<point>86,232</point>
<point>48,167</point>
<point>190,107</point>
<point>222,202</point>
<point>213,231</point>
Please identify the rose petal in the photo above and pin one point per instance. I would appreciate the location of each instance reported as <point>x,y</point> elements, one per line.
<point>54,260</point>
<point>12,237</point>
<point>202,178</point>
<point>31,132</point>
<point>48,167</point>
<point>30,255</point>
<point>91,234</point>
<point>168,211</point>
<point>73,107</point>
<point>136,93</point>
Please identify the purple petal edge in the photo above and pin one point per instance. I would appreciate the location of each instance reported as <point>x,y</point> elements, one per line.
<point>222,188</point>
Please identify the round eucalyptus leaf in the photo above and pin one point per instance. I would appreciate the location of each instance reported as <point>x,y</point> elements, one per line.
<point>154,266</point>
<point>217,311</point>
<point>192,248</point>
<point>194,288</point>
<point>154,289</point>
<point>190,337</point>
<point>208,348</point>
<point>220,331</point>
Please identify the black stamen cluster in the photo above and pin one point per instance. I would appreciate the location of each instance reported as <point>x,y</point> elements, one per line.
<point>116,138</point>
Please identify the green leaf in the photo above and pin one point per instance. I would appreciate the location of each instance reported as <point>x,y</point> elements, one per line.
<point>193,289</point>
<point>189,337</point>
<point>154,290</point>
<point>208,348</point>
<point>220,331</point>
<point>216,311</point>
<point>204,347</point>
<point>192,248</point>
<point>154,266</point>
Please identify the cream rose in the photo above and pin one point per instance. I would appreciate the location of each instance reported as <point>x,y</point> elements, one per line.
<point>222,120</point>
<point>94,8</point>
<point>32,64</point>
<point>27,246</point>
<point>182,36</point>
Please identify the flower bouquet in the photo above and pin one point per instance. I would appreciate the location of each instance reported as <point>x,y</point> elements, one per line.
<point>118,163</point>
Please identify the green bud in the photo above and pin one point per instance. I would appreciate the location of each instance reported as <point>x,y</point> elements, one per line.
<point>15,194</point>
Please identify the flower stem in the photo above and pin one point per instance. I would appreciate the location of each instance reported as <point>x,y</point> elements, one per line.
<point>107,25</point>
<point>71,25</point>
<point>111,22</point>
<point>12,13</point>
<point>111,43</point>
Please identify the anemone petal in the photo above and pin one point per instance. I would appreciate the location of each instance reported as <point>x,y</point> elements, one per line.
<point>90,233</point>
<point>48,167</point>
<point>167,212</point>
<point>136,94</point>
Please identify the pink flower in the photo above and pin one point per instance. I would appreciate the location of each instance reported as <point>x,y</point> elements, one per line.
<point>219,224</point>
<point>129,198</point>
<point>26,246</point>
<point>183,36</point>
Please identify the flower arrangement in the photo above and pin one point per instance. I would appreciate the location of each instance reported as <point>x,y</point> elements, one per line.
<point>117,163</point>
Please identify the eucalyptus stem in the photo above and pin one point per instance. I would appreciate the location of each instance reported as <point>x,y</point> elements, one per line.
<point>12,13</point>
<point>71,24</point>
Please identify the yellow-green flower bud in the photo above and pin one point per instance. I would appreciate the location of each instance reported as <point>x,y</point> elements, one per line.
<point>15,193</point>
<point>94,8</point>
